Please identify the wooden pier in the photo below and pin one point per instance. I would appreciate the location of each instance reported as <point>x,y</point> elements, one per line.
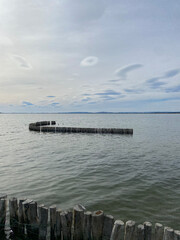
<point>28,220</point>
<point>49,126</point>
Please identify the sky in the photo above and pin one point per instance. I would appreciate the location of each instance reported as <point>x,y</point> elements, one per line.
<point>89,55</point>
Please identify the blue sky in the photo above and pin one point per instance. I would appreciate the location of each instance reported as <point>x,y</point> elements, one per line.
<point>81,55</point>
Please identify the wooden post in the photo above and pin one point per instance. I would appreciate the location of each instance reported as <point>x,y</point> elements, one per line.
<point>118,231</point>
<point>33,221</point>
<point>108,226</point>
<point>58,224</point>
<point>140,232</point>
<point>168,233</point>
<point>129,230</point>
<point>147,230</point>
<point>3,208</point>
<point>87,225</point>
<point>97,224</point>
<point>158,231</point>
<point>53,221</point>
<point>78,216</point>
<point>25,205</point>
<point>21,221</point>
<point>43,222</point>
<point>13,212</point>
<point>176,235</point>
<point>66,223</point>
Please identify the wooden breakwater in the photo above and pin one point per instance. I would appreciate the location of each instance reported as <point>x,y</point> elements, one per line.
<point>48,126</point>
<point>28,220</point>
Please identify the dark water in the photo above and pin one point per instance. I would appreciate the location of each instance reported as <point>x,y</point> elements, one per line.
<point>131,177</point>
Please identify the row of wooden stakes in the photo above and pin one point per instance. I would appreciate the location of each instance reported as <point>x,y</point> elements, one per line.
<point>27,219</point>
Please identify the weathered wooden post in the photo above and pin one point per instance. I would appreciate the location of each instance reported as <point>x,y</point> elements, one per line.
<point>176,235</point>
<point>33,221</point>
<point>21,221</point>
<point>159,231</point>
<point>168,233</point>
<point>66,223</point>
<point>97,225</point>
<point>129,230</point>
<point>147,230</point>
<point>3,208</point>
<point>78,217</point>
<point>140,232</point>
<point>43,222</point>
<point>58,224</point>
<point>25,205</point>
<point>13,212</point>
<point>118,231</point>
<point>87,225</point>
<point>108,226</point>
<point>53,222</point>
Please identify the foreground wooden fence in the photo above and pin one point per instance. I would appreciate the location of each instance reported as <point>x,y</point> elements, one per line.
<point>43,127</point>
<point>28,220</point>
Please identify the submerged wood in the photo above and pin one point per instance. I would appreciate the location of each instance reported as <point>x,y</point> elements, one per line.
<point>44,127</point>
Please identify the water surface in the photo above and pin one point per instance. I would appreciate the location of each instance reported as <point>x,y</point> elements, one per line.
<point>131,177</point>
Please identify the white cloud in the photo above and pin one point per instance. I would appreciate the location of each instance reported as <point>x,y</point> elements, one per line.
<point>122,72</point>
<point>22,61</point>
<point>89,61</point>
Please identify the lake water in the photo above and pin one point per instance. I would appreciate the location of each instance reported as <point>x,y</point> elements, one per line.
<point>131,177</point>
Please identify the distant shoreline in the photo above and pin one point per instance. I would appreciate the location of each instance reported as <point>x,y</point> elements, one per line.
<point>97,113</point>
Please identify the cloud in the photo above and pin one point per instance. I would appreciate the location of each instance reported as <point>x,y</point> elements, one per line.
<point>107,93</point>
<point>173,89</point>
<point>156,82</point>
<point>22,61</point>
<point>27,103</point>
<point>89,61</point>
<point>55,104</point>
<point>122,72</point>
<point>50,96</point>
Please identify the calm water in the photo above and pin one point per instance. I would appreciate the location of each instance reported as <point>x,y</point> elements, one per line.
<point>131,177</point>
